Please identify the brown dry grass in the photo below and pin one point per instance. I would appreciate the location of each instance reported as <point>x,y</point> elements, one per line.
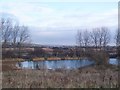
<point>38,59</point>
<point>90,77</point>
<point>55,58</point>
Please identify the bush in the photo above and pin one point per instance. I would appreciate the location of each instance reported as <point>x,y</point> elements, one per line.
<point>100,57</point>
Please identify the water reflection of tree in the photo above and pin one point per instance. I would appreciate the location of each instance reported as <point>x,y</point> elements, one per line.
<point>36,65</point>
<point>19,64</point>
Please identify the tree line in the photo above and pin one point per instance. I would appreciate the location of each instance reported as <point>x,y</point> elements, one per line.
<point>16,35</point>
<point>13,33</point>
<point>98,38</point>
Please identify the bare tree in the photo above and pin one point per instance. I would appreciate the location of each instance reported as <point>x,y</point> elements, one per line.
<point>23,34</point>
<point>79,38</point>
<point>86,38</point>
<point>23,37</point>
<point>117,37</point>
<point>100,37</point>
<point>6,26</point>
<point>2,21</point>
<point>15,34</point>
<point>106,36</point>
<point>1,27</point>
<point>80,43</point>
<point>95,37</point>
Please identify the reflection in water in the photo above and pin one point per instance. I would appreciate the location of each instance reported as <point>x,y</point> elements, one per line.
<point>60,64</point>
<point>113,61</point>
<point>56,64</point>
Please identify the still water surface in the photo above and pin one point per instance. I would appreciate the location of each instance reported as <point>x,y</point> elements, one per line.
<point>113,61</point>
<point>60,64</point>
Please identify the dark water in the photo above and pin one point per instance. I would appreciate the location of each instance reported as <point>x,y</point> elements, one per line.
<point>59,64</point>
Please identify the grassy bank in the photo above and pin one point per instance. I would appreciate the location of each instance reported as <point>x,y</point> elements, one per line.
<point>90,77</point>
<point>56,58</point>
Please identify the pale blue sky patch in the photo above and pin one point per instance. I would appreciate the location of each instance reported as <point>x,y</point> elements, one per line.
<point>59,0</point>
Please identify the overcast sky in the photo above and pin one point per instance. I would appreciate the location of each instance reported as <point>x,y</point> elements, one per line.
<point>57,22</point>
